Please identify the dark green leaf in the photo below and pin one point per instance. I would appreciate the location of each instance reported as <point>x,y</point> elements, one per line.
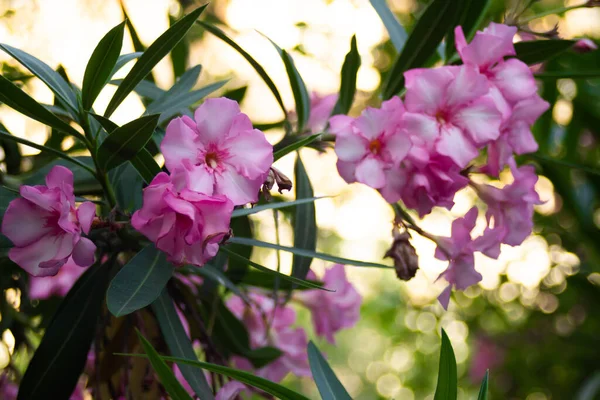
<point>139,282</point>
<point>461,7</point>
<point>257,67</point>
<point>135,38</point>
<point>240,212</point>
<point>145,164</point>
<point>144,89</point>
<point>179,54</point>
<point>175,104</point>
<point>99,69</point>
<point>236,268</point>
<point>267,281</point>
<point>17,99</point>
<point>446,388</point>
<point>106,123</point>
<point>328,384</point>
<point>483,390</point>
<point>82,176</point>
<point>348,83</point>
<point>305,222</point>
<point>157,50</point>
<point>236,94</point>
<point>304,253</point>
<point>280,392</point>
<point>422,43</point>
<point>536,51</point>
<point>125,142</point>
<point>182,86</point>
<point>472,16</point>
<point>570,74</point>
<point>12,153</point>
<point>297,281</point>
<point>61,356</point>
<point>165,374</point>
<point>127,184</point>
<point>295,146</point>
<point>396,31</point>
<point>122,60</point>
<point>6,196</point>
<point>50,77</point>
<point>179,343</point>
<point>215,274</point>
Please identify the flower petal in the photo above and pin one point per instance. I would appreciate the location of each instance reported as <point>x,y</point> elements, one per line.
<point>249,153</point>
<point>41,251</point>
<point>59,176</point>
<point>347,170</point>
<point>179,144</point>
<point>370,172</point>
<point>83,253</point>
<point>481,120</point>
<point>426,89</point>
<point>514,79</point>
<point>239,189</point>
<point>85,214</point>
<point>456,146</point>
<point>468,85</point>
<point>351,147</point>
<point>24,223</point>
<point>422,126</point>
<point>214,119</point>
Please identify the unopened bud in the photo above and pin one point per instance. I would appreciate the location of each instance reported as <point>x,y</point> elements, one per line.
<point>275,177</point>
<point>406,261</point>
<point>585,46</point>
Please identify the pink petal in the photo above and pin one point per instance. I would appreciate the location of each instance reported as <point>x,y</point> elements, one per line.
<point>372,123</point>
<point>422,126</point>
<point>47,199</point>
<point>236,187</point>
<point>370,172</point>
<point>341,124</point>
<point>320,110</point>
<point>426,89</point>
<point>490,46</point>
<point>444,297</point>
<point>41,251</point>
<point>456,146</point>
<point>179,144</point>
<point>521,139</point>
<point>347,170</point>
<point>24,223</point>
<point>395,181</point>
<point>230,391</point>
<point>514,79</point>
<point>85,214</point>
<point>398,145</point>
<point>460,42</point>
<point>468,85</point>
<point>83,253</point>
<point>199,178</point>
<point>481,120</point>
<point>249,153</point>
<point>59,176</point>
<point>216,212</point>
<point>530,109</point>
<point>214,118</point>
<point>351,147</point>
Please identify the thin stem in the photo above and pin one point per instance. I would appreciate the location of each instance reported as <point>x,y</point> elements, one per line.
<point>48,150</point>
<point>560,10</point>
<point>107,187</point>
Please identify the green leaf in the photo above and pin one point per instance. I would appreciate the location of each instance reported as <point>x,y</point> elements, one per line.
<point>157,50</point>
<point>61,356</point>
<point>175,104</point>
<point>6,196</point>
<point>145,164</point>
<point>106,123</point>
<point>348,83</point>
<point>446,388</point>
<point>236,268</point>
<point>182,86</point>
<point>12,153</point>
<point>20,101</point>
<point>257,67</point>
<point>102,62</point>
<point>179,343</point>
<point>139,282</point>
<point>297,145</point>
<point>280,392</point>
<point>328,384</point>
<point>569,74</point>
<point>536,51</point>
<point>144,89</point>
<point>83,177</point>
<point>127,183</point>
<point>461,7</point>
<point>396,31</point>
<point>125,142</point>
<point>422,43</point>
<point>213,273</point>
<point>237,94</point>
<point>122,60</point>
<point>240,212</point>
<point>165,374</point>
<point>50,77</point>
<point>268,281</point>
<point>292,279</point>
<point>473,15</point>
<point>180,53</point>
<point>305,253</point>
<point>483,390</point>
<point>305,222</point>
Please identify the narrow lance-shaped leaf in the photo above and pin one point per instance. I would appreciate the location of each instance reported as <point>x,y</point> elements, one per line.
<point>217,275</point>
<point>12,153</point>
<point>50,77</point>
<point>125,142</point>
<point>20,101</point>
<point>328,384</point>
<point>446,388</point>
<point>257,67</point>
<point>473,16</point>
<point>61,356</point>
<point>422,43</point>
<point>305,222</point>
<point>179,343</point>
<point>180,54</point>
<point>395,29</point>
<point>348,83</point>
<point>182,86</point>
<point>240,212</point>
<point>144,88</point>
<point>145,164</point>
<point>483,390</point>
<point>157,50</point>
<point>536,51</point>
<point>122,60</point>
<point>461,7</point>
<point>100,66</point>
<point>295,146</point>
<point>165,374</point>
<point>176,104</point>
<point>139,282</point>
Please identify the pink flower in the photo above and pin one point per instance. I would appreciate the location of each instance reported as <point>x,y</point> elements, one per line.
<point>370,145</point>
<point>220,152</point>
<point>320,111</point>
<point>511,208</point>
<point>487,50</point>
<point>450,111</point>
<point>45,226</point>
<point>332,311</point>
<point>585,46</point>
<point>290,341</point>
<point>43,287</point>
<point>488,355</point>
<point>8,389</point>
<point>185,224</point>
<point>230,391</point>
<point>516,136</point>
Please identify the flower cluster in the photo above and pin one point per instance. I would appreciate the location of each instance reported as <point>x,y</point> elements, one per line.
<point>421,151</point>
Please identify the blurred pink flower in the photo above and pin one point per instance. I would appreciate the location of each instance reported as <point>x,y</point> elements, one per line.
<point>271,325</point>
<point>487,355</point>
<point>220,152</point>
<point>185,224</point>
<point>320,111</point>
<point>42,287</point>
<point>450,111</point>
<point>585,46</point>
<point>230,391</point>
<point>332,311</point>
<point>46,227</point>
<point>370,145</point>
<point>8,389</point>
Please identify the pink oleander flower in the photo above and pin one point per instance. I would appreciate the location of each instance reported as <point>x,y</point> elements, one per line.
<point>332,311</point>
<point>320,111</point>
<point>290,341</point>
<point>42,287</point>
<point>511,208</point>
<point>458,250</point>
<point>585,46</point>
<point>46,227</point>
<point>487,355</point>
<point>220,152</point>
<point>230,391</point>
<point>8,389</point>
<point>516,136</point>
<point>449,110</point>
<point>185,224</point>
<point>371,145</point>
<point>487,50</point>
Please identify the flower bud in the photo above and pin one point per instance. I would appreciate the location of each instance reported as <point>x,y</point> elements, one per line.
<point>584,46</point>
<point>406,261</point>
